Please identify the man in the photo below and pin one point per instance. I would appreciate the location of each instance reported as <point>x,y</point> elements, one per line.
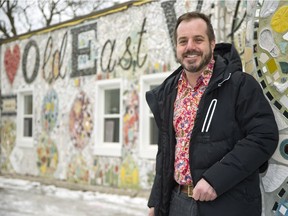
<point>216,129</point>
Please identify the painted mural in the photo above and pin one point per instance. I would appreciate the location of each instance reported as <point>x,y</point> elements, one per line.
<point>78,171</point>
<point>80,122</point>
<point>50,110</point>
<point>47,153</point>
<point>62,67</point>
<point>8,138</point>
<point>106,171</point>
<point>11,62</point>
<point>270,53</point>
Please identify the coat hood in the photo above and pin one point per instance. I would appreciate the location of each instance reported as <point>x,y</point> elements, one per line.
<point>228,56</point>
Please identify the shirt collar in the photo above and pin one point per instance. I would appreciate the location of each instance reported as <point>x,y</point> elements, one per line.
<point>203,78</point>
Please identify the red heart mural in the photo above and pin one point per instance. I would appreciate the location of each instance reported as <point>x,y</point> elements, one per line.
<point>11,62</point>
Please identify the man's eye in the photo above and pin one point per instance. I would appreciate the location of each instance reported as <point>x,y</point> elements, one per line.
<point>182,41</point>
<point>198,40</point>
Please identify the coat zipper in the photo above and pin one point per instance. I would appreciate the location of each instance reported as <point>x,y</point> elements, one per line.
<point>210,115</point>
<point>211,109</point>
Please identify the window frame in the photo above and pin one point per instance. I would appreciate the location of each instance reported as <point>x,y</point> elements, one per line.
<point>147,150</point>
<point>102,148</point>
<point>21,140</point>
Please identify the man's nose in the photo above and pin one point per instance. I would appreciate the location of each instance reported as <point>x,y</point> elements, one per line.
<point>190,45</point>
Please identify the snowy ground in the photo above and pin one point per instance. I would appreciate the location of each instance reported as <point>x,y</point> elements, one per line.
<point>23,198</point>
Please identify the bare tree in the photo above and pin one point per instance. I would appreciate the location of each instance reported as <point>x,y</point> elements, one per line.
<point>80,7</point>
<point>15,15</point>
<point>51,9</point>
<point>8,28</point>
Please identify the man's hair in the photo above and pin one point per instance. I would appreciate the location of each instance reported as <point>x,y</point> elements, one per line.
<point>195,15</point>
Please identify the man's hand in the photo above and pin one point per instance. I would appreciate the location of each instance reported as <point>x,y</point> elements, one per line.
<point>151,212</point>
<point>203,191</point>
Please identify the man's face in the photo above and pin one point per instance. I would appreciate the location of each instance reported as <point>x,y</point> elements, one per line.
<point>194,51</point>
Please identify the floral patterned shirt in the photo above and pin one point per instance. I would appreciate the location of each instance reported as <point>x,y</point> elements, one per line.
<point>185,109</point>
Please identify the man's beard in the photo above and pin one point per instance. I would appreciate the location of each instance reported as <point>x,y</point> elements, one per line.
<point>193,68</point>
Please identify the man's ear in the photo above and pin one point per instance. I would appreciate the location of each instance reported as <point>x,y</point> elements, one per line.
<point>212,44</point>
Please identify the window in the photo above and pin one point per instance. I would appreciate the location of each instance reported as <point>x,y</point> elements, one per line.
<point>25,119</point>
<point>108,118</point>
<point>148,128</point>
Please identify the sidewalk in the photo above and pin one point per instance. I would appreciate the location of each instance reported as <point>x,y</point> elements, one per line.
<point>22,197</point>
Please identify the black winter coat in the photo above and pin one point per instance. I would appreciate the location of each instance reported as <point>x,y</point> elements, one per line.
<point>234,134</point>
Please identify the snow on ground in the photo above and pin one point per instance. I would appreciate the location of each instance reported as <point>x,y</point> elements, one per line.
<point>125,205</point>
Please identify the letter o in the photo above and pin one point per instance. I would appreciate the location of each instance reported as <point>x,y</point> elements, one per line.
<point>30,44</point>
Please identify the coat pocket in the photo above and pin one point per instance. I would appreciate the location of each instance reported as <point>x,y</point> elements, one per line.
<point>204,152</point>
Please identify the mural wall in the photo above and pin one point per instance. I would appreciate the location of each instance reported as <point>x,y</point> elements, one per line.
<point>63,65</point>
